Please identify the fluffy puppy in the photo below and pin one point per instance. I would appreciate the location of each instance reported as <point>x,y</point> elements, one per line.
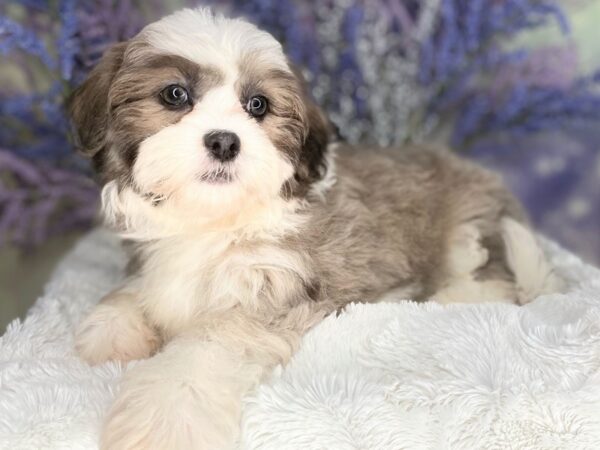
<point>249,224</point>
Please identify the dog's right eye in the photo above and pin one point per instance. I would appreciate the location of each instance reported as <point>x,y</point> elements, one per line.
<point>174,95</point>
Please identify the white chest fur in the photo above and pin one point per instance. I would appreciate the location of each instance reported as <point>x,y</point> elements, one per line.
<point>184,280</point>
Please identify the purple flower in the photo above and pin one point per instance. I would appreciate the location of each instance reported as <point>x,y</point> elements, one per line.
<point>452,70</point>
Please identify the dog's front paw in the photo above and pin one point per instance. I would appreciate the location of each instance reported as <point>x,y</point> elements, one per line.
<point>115,330</point>
<point>157,409</point>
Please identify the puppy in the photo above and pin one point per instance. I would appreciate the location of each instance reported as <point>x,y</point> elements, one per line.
<point>249,223</point>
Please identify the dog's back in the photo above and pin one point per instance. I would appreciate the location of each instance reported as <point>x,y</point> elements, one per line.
<point>423,223</point>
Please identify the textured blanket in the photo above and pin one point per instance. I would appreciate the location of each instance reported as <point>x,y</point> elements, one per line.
<point>386,376</point>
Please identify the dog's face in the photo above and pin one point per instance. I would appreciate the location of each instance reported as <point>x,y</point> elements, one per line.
<point>198,118</point>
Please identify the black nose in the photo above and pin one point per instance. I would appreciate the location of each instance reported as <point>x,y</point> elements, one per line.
<point>223,145</point>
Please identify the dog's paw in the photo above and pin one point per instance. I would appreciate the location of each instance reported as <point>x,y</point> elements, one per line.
<point>465,253</point>
<point>115,330</point>
<point>157,409</point>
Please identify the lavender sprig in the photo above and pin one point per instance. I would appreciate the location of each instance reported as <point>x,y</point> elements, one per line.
<point>32,195</point>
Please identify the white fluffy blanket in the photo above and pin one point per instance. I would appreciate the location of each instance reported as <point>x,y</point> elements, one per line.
<point>386,376</point>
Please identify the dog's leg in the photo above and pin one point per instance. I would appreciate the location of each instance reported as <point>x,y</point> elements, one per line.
<point>189,396</point>
<point>465,256</point>
<point>116,330</point>
<point>534,275</point>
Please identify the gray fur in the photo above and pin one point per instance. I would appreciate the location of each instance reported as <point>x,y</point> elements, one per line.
<point>385,224</point>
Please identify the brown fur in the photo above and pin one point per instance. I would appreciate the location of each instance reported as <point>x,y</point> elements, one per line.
<point>118,105</point>
<point>295,124</point>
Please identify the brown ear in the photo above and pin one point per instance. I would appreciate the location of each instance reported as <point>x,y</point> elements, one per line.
<point>320,132</point>
<point>88,104</point>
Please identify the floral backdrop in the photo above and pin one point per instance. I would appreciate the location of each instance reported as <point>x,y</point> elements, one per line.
<point>511,83</point>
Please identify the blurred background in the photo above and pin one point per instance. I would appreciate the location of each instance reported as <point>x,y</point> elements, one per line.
<point>514,84</point>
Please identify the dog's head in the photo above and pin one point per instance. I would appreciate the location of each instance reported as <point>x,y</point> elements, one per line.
<point>198,119</point>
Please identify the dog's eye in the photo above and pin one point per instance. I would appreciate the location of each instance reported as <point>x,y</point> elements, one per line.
<point>174,95</point>
<point>257,106</point>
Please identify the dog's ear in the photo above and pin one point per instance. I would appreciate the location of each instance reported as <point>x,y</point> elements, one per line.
<point>88,104</point>
<point>320,132</point>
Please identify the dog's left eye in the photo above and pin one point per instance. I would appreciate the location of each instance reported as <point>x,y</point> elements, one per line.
<point>257,106</point>
<point>174,95</point>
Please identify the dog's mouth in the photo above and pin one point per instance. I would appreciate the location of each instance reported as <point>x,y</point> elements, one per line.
<point>221,175</point>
